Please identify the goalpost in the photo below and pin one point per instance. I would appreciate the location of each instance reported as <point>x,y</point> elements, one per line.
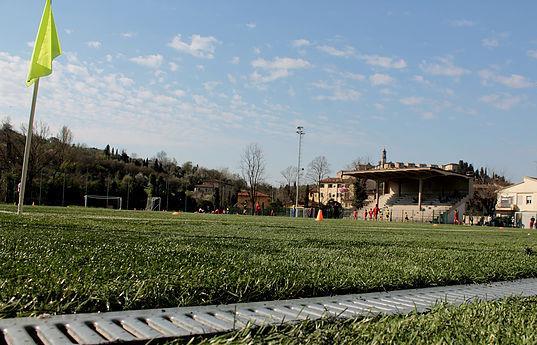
<point>117,200</point>
<point>153,204</point>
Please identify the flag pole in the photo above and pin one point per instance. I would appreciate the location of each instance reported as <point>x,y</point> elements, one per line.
<point>26,158</point>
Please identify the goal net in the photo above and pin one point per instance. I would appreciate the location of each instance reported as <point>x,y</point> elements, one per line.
<point>153,204</point>
<point>114,202</point>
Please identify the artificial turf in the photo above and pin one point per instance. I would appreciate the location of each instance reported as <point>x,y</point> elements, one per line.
<point>65,260</point>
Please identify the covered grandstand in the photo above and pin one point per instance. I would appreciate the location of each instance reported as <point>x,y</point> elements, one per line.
<point>409,192</point>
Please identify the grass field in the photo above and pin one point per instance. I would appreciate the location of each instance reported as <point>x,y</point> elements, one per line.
<point>64,260</point>
<point>509,321</point>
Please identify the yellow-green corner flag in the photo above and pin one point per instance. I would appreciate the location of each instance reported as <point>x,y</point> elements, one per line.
<point>46,47</point>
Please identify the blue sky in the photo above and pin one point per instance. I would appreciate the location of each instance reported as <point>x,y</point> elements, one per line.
<point>433,82</point>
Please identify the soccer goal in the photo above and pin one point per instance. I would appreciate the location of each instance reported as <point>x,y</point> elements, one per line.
<point>153,204</point>
<point>115,202</point>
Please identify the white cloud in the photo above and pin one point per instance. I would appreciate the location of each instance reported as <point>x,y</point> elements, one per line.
<point>109,58</point>
<point>514,81</point>
<point>30,44</point>
<point>338,92</point>
<point>428,115</point>
<point>257,50</point>
<point>379,106</point>
<point>384,61</point>
<point>251,25</point>
<point>348,51</point>
<point>532,54</point>
<point>353,76</point>
<point>502,101</point>
<point>461,23</point>
<point>128,34</point>
<point>420,79</point>
<point>102,106</point>
<point>68,31</point>
<point>276,69</point>
<point>490,42</point>
<point>379,79</point>
<point>94,44</point>
<point>231,78</point>
<point>173,66</point>
<point>211,85</point>
<point>281,63</point>
<point>179,93</point>
<point>411,101</point>
<point>236,60</point>
<point>443,67</point>
<point>151,61</point>
<point>199,46</point>
<point>302,42</point>
<point>341,95</point>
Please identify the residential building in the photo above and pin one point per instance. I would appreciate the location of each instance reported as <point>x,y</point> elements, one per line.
<point>518,201</point>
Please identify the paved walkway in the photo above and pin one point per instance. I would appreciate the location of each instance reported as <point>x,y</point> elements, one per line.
<point>144,325</point>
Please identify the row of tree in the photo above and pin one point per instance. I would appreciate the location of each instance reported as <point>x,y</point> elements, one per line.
<point>61,173</point>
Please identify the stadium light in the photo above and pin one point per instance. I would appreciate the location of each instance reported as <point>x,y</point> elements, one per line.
<point>300,132</point>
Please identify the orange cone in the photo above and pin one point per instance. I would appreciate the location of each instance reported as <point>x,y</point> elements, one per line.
<point>320,216</point>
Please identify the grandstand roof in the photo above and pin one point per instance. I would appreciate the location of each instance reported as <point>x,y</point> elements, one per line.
<point>394,173</point>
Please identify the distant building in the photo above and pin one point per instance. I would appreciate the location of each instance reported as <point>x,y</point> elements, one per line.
<point>217,192</point>
<point>333,188</point>
<point>243,199</point>
<point>338,189</point>
<point>518,201</point>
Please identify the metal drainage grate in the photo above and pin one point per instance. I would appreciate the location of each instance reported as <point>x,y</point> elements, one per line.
<point>145,325</point>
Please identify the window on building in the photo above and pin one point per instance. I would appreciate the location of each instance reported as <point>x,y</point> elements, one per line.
<point>322,195</point>
<point>528,200</point>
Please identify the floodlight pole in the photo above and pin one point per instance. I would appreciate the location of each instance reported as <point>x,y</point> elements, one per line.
<point>300,132</point>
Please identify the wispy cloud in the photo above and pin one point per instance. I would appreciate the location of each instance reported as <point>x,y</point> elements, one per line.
<point>384,61</point>
<point>209,86</point>
<point>353,76</point>
<point>461,23</point>
<point>347,51</point>
<point>503,101</point>
<point>421,79</point>
<point>338,92</point>
<point>251,25</point>
<point>151,61</point>
<point>94,44</point>
<point>199,46</point>
<point>128,34</point>
<point>173,66</point>
<point>443,67</point>
<point>379,79</point>
<point>490,42</point>
<point>411,101</point>
<point>235,60</point>
<point>302,42</point>
<point>277,68</point>
<point>514,81</point>
<point>532,54</point>
<point>494,41</point>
